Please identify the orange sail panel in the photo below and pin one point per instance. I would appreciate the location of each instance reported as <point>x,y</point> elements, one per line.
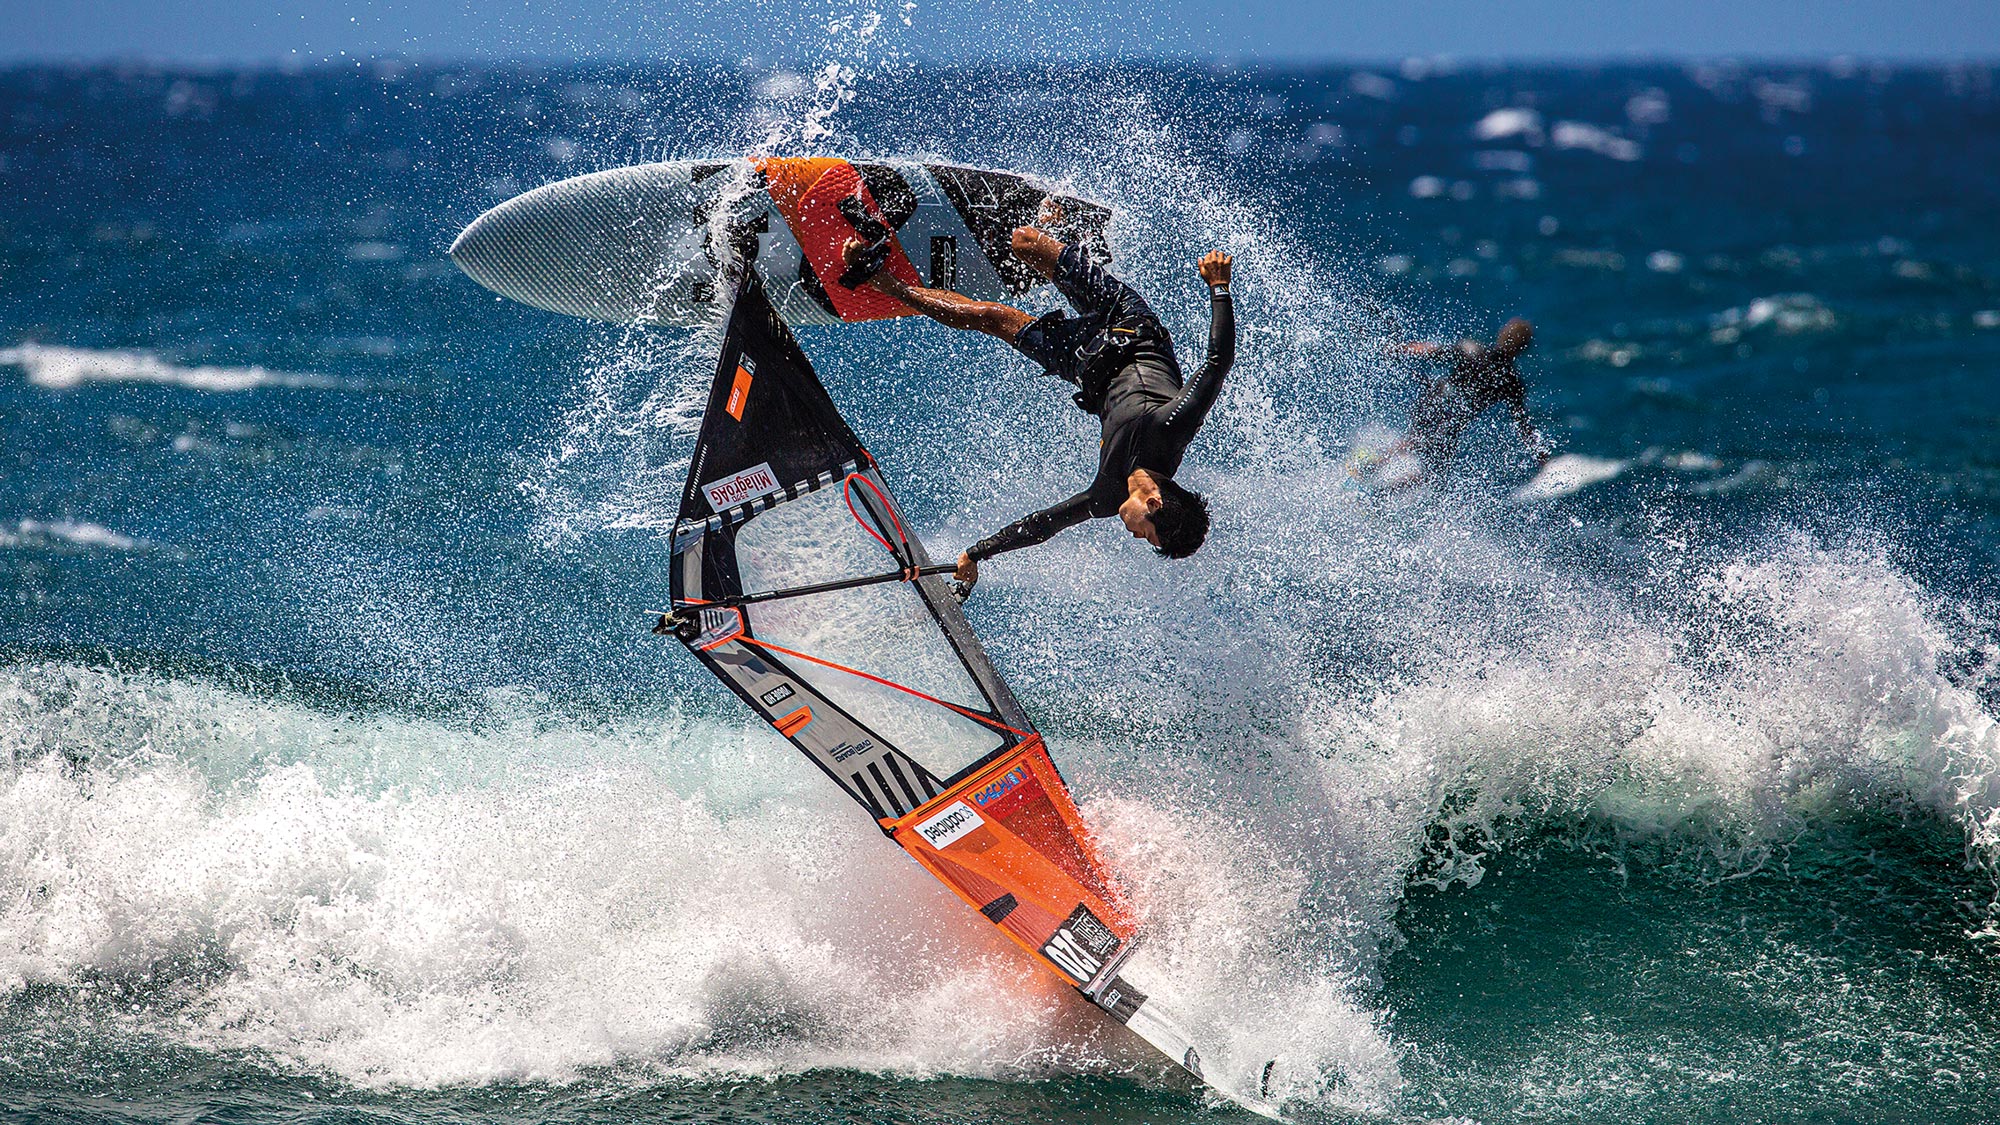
<point>1010,843</point>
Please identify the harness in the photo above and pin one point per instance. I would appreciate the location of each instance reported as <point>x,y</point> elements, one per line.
<point>1104,353</point>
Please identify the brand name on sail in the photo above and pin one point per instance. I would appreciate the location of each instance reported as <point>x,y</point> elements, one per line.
<point>1002,787</point>
<point>948,824</point>
<point>748,485</point>
<point>1081,945</point>
<point>847,750</point>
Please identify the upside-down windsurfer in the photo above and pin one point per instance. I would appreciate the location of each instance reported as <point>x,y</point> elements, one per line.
<point>1121,360</point>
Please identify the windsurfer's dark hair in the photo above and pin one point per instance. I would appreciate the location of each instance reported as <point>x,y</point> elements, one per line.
<point>1182,521</point>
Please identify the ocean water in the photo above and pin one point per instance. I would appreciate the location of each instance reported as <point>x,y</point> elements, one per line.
<point>342,780</point>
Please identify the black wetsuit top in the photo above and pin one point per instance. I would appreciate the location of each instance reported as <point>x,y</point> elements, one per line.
<point>1122,361</point>
<point>1479,379</point>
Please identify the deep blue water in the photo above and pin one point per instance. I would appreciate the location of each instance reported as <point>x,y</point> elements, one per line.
<point>343,780</point>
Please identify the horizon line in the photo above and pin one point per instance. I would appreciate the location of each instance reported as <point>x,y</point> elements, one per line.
<point>1444,63</point>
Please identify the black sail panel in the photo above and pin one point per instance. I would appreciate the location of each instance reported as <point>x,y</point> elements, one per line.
<point>768,423</point>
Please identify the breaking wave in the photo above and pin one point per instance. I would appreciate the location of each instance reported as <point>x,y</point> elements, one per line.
<point>531,895</point>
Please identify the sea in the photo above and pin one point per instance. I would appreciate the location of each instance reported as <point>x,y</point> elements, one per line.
<point>341,779</point>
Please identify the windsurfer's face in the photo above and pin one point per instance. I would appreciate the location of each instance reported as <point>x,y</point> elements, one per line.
<point>1137,512</point>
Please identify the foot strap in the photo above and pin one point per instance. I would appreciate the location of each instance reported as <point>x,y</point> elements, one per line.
<point>872,231</point>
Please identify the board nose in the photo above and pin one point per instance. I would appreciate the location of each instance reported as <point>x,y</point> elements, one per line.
<point>465,245</point>
<point>564,248</point>
<point>482,252</point>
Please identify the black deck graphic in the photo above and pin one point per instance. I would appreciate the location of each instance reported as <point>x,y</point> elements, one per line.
<point>992,204</point>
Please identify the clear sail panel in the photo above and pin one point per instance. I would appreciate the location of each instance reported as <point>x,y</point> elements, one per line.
<point>884,630</point>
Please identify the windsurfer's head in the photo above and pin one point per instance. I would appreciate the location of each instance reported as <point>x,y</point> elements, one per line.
<point>1173,519</point>
<point>1515,336</point>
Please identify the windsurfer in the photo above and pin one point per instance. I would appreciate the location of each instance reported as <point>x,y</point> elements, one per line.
<point>1121,360</point>
<point>1476,377</point>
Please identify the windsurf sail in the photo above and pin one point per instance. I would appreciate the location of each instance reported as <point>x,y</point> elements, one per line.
<point>796,580</point>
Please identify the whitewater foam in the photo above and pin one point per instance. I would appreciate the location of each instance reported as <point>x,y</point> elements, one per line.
<point>669,897</point>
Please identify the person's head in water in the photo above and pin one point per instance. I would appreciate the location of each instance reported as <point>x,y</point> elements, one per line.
<point>1173,519</point>
<point>1515,337</point>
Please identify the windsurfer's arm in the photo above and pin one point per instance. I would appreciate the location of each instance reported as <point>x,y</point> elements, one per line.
<point>953,310</point>
<point>1040,249</point>
<point>1029,530</point>
<point>1190,408</point>
<point>1530,436</point>
<point>1431,355</point>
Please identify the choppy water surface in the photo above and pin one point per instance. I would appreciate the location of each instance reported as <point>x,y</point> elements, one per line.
<point>343,779</point>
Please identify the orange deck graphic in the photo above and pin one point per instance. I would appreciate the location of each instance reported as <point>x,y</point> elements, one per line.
<point>808,191</point>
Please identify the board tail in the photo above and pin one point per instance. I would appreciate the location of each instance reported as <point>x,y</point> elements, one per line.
<point>1160,1026</point>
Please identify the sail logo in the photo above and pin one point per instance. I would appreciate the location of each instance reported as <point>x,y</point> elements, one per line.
<point>739,391</point>
<point>748,485</point>
<point>847,750</point>
<point>1002,787</point>
<point>949,825</point>
<point>1081,945</point>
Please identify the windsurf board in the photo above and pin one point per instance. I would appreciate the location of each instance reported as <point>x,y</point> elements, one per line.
<point>643,243</point>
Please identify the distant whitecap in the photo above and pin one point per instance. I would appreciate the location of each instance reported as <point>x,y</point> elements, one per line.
<point>1567,474</point>
<point>58,368</point>
<point>1512,122</point>
<point>65,533</point>
<point>1594,138</point>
